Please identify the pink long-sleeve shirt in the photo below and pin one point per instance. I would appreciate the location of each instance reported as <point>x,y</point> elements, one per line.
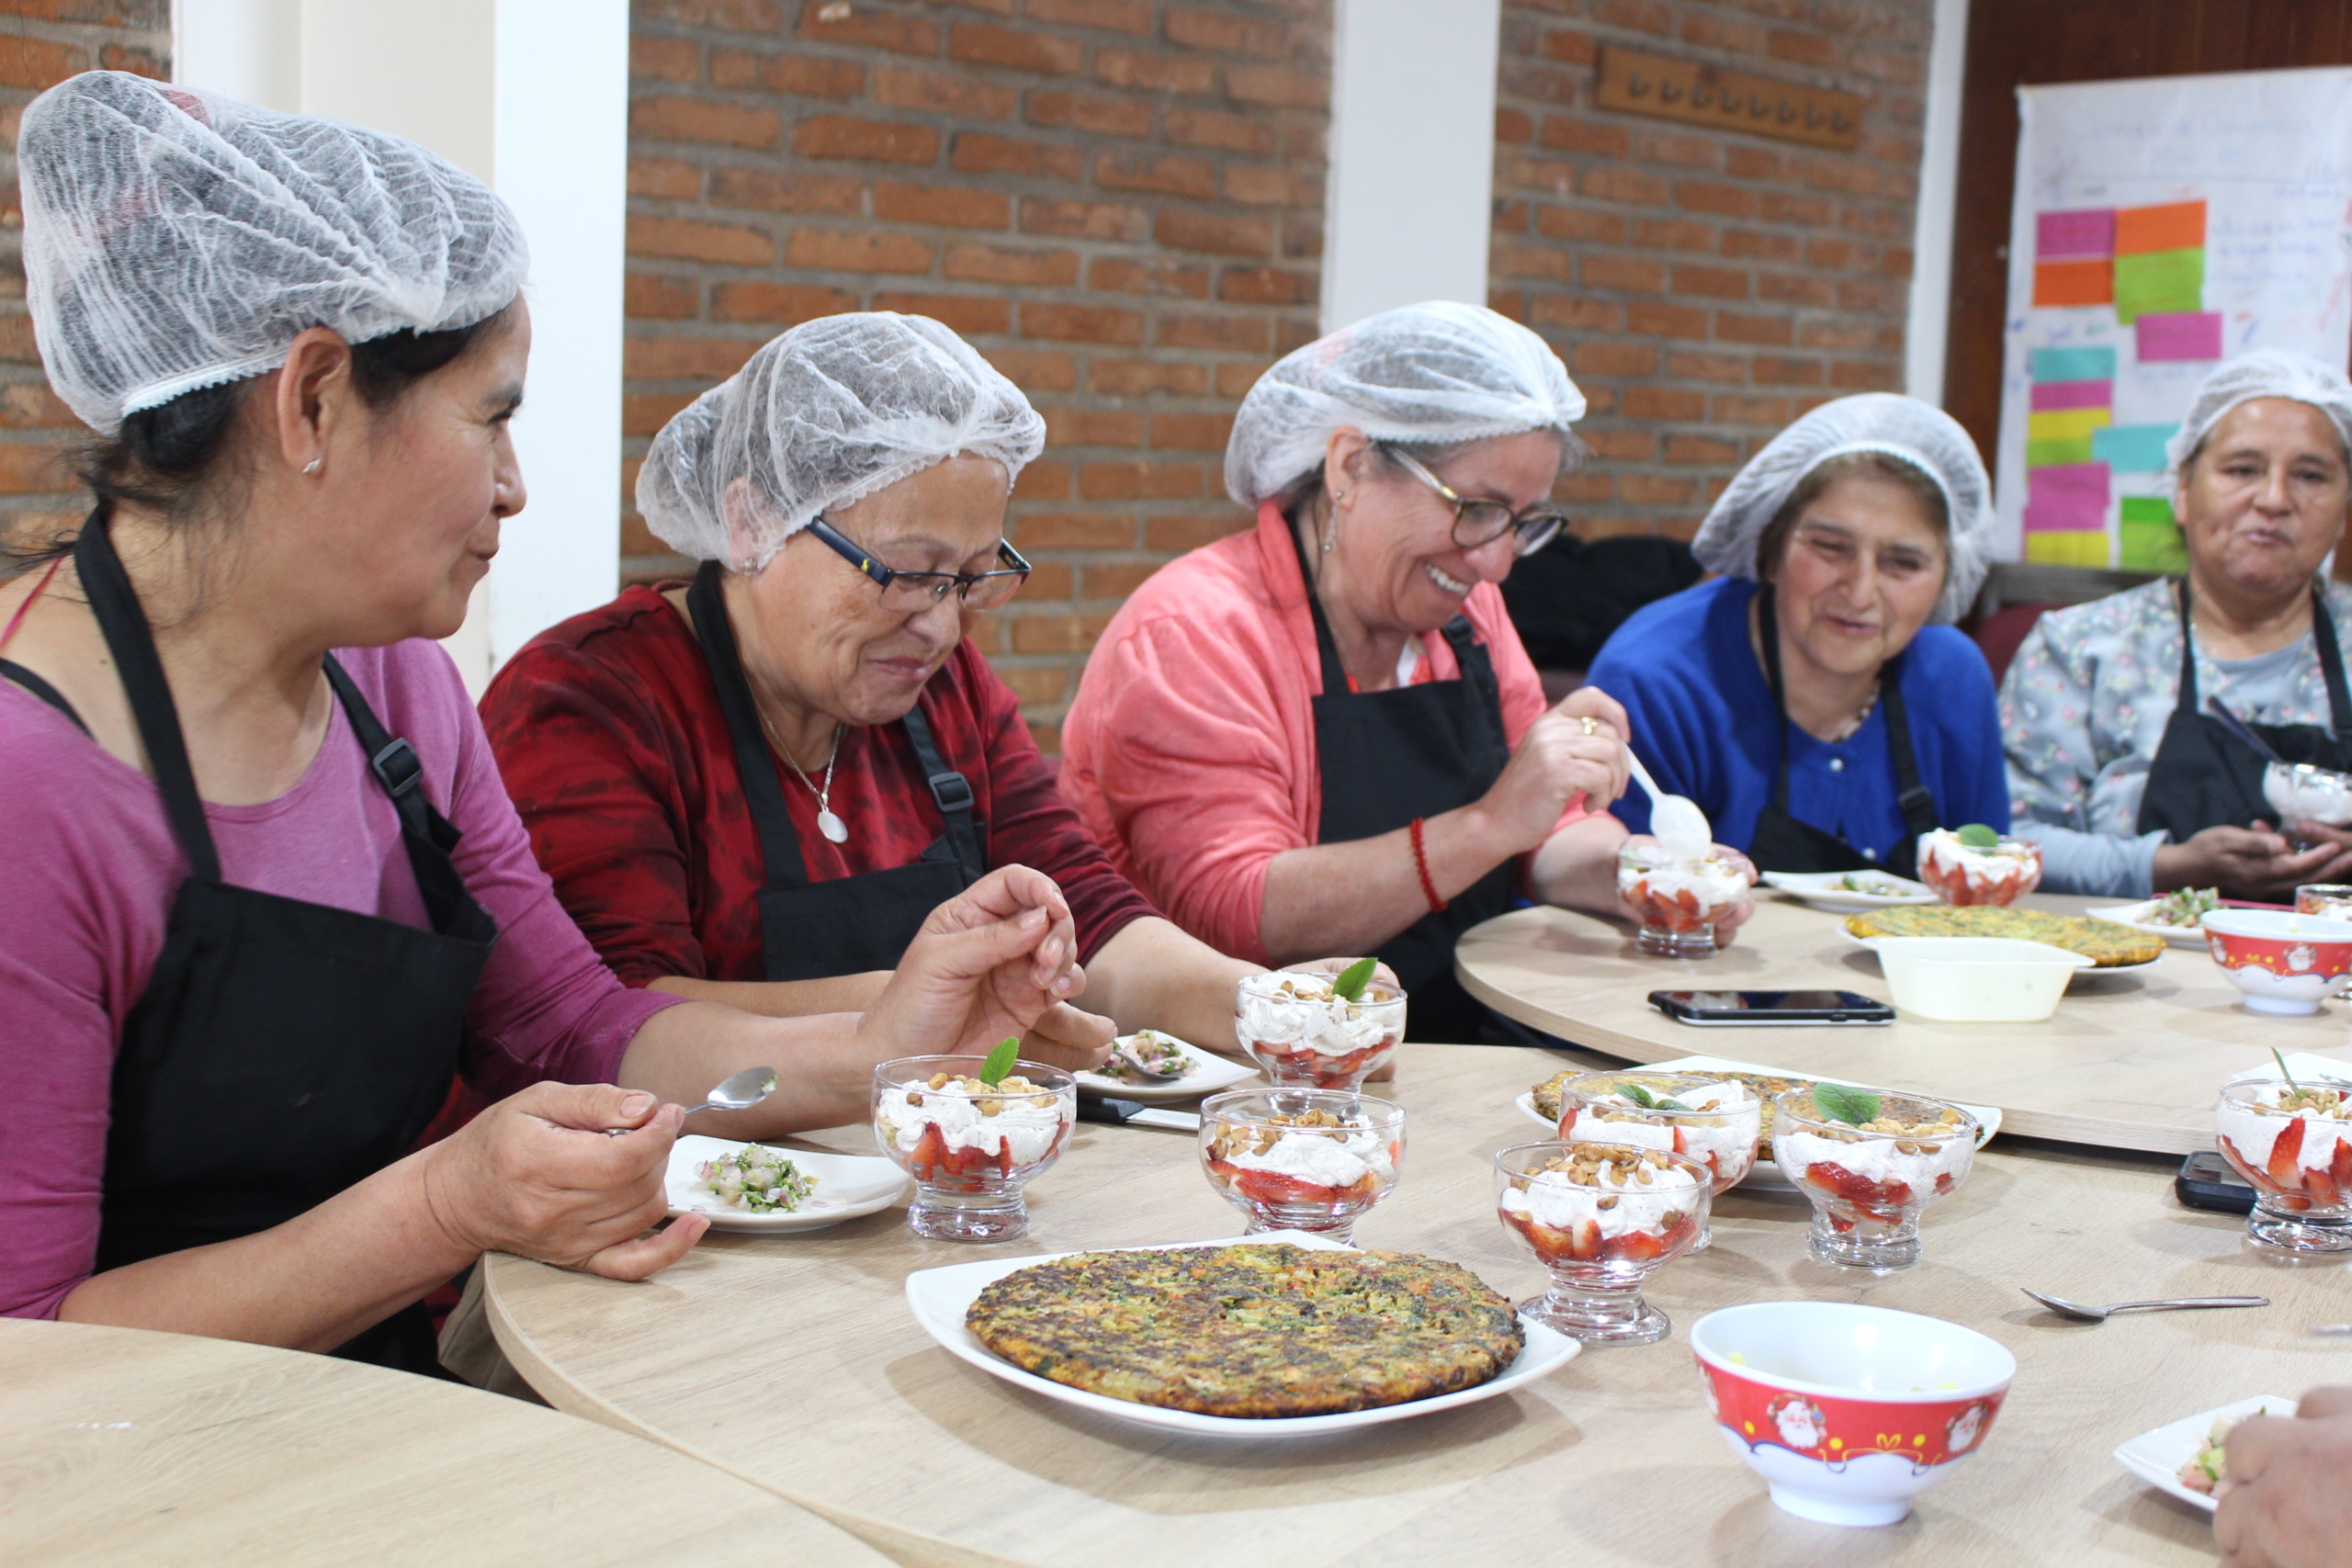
<point>87,871</point>
<point>1190,749</point>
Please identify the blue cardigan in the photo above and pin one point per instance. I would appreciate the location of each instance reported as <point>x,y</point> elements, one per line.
<point>1703,722</point>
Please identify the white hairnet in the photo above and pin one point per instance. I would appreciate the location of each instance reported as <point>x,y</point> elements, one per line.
<point>831,411</point>
<point>1885,423</point>
<point>176,240</point>
<point>2264,373</point>
<point>1432,373</point>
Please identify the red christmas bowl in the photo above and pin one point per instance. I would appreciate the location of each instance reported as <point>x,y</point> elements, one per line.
<point>2284,962</point>
<point>1849,1412</point>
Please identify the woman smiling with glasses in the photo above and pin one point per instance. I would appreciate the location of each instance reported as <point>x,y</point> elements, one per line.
<point>1802,699</point>
<point>756,788</point>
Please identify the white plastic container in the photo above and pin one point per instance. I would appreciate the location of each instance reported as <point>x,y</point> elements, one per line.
<point>1976,979</point>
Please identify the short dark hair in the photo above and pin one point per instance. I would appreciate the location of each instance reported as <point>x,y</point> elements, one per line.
<point>1923,489</point>
<point>170,456</point>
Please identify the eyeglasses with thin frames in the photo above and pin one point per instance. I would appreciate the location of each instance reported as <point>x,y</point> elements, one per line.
<point>1480,523</point>
<point>911,592</point>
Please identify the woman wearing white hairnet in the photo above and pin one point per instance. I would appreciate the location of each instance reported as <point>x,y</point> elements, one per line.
<point>265,895</point>
<point>1323,732</point>
<point>2116,763</point>
<point>1802,698</point>
<point>755,789</point>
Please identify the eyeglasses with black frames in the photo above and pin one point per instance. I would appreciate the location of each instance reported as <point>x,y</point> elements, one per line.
<point>911,592</point>
<point>1480,523</point>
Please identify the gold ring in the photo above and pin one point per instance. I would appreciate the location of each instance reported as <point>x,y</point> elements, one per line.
<point>1592,726</point>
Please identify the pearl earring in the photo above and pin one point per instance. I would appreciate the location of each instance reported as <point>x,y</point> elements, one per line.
<point>1326,544</point>
<point>312,465</point>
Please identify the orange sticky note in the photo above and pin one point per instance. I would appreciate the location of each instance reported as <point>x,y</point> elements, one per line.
<point>2179,226</point>
<point>2088,282</point>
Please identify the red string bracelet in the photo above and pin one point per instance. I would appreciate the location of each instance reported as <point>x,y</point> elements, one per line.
<point>1421,864</point>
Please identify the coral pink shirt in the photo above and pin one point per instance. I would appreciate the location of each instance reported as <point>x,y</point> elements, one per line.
<point>1190,750</point>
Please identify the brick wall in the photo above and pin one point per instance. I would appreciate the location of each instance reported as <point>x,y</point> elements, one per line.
<point>1705,287</point>
<point>1119,202</point>
<point>42,43</point>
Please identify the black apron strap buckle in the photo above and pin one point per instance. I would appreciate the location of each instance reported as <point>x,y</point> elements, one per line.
<point>953,791</point>
<point>397,769</point>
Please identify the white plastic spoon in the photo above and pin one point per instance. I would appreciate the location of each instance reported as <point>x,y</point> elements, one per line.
<point>1675,819</point>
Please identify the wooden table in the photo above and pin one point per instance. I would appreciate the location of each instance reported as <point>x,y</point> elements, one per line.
<point>2131,1060</point>
<point>163,1450</point>
<point>796,1363</point>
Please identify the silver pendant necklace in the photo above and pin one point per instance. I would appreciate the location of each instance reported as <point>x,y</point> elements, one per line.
<point>833,828</point>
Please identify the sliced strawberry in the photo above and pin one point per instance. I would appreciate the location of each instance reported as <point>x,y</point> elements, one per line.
<point>1633,1247</point>
<point>1585,1243</point>
<point>1273,1186</point>
<point>2284,1168</point>
<point>930,1154</point>
<point>2321,1188</point>
<point>1685,1227</point>
<point>1870,1197</point>
<point>2339,1165</point>
<point>1943,1183</point>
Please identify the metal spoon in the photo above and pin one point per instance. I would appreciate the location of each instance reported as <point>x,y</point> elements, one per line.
<point>2099,1314</point>
<point>1675,819</point>
<point>739,1091</point>
<point>1136,1066</point>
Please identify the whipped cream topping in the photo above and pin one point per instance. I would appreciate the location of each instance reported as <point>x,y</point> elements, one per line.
<point>1716,884</point>
<point>1876,1157</point>
<point>2253,1132</point>
<point>2310,792</point>
<point>1730,1146</point>
<point>1551,1200</point>
<point>1299,1012</point>
<point>1020,1122</point>
<point>1323,1158</point>
<point>1942,853</point>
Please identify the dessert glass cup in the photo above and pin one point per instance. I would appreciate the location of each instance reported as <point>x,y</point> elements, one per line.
<point>1596,1293</point>
<point>1678,899</point>
<point>2301,793</point>
<point>1595,1109</point>
<point>971,1152</point>
<point>1315,1041</point>
<point>1967,884</point>
<point>1866,1187</point>
<point>2333,900</point>
<point>1284,1176</point>
<point>2300,1166</point>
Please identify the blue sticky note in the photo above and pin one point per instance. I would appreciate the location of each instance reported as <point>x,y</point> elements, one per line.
<point>2133,448</point>
<point>2074,364</point>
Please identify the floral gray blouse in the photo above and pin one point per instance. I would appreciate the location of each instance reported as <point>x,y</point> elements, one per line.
<point>2083,706</point>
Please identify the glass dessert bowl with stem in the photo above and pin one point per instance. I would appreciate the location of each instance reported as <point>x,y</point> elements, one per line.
<point>1976,865</point>
<point>1601,1218</point>
<point>1870,1160</point>
<point>971,1145</point>
<point>1303,1033</point>
<point>1708,1119</point>
<point>2293,1143</point>
<point>1677,895</point>
<point>1302,1159</point>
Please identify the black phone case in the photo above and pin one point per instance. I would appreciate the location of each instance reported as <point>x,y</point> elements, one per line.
<point>2206,1181</point>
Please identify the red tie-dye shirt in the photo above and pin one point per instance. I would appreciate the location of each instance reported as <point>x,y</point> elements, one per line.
<point>608,731</point>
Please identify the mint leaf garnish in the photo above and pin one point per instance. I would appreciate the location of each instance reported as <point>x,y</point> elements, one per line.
<point>1638,1095</point>
<point>1839,1103</point>
<point>1349,987</point>
<point>1976,836</point>
<point>999,1062</point>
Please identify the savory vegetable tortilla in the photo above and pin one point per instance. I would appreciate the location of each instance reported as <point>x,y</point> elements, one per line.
<point>2106,943</point>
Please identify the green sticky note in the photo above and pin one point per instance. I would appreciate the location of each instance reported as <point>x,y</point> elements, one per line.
<point>2159,282</point>
<point>2152,547</point>
<point>2046,454</point>
<point>2133,448</point>
<point>2146,509</point>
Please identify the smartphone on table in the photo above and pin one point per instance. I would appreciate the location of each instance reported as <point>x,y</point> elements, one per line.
<point>1754,1007</point>
<point>2206,1181</point>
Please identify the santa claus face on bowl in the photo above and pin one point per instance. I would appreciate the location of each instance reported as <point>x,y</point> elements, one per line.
<point>2283,962</point>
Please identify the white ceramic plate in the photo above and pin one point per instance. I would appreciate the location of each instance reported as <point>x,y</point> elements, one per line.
<point>940,1297</point>
<point>2157,1456</point>
<point>1820,889</point>
<point>2084,973</point>
<point>1208,1074</point>
<point>2306,1068</point>
<point>2136,917</point>
<point>847,1186</point>
<point>1765,1175</point>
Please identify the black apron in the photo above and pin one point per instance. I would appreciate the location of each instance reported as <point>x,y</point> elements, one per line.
<point>282,1051</point>
<point>2203,777</point>
<point>1421,750</point>
<point>1783,844</point>
<point>810,930</point>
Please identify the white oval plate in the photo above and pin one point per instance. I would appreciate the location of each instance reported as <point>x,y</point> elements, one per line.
<point>1208,1073</point>
<point>847,1186</point>
<point>2136,917</point>
<point>1765,1174</point>
<point>2084,973</point>
<point>2157,1456</point>
<point>940,1297</point>
<point>1820,889</point>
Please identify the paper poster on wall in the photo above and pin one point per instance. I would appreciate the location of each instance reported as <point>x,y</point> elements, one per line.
<point>2161,226</point>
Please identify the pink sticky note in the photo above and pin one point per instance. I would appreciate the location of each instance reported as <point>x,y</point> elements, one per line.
<point>2090,232</point>
<point>2189,334</point>
<point>2065,496</point>
<point>2051,397</point>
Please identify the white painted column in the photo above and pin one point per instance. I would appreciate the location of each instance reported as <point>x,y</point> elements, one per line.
<point>1410,197</point>
<point>531,96</point>
<point>1924,340</point>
